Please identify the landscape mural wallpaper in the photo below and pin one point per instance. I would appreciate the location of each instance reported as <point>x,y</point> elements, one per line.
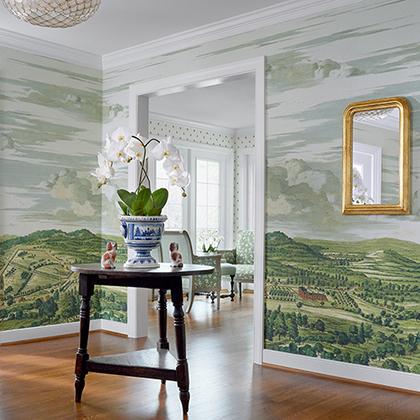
<point>50,210</point>
<point>343,288</point>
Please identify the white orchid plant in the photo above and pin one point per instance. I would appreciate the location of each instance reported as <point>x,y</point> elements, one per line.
<point>360,191</point>
<point>210,240</point>
<point>125,147</point>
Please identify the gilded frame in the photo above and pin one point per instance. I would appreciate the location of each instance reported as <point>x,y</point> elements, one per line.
<point>403,205</point>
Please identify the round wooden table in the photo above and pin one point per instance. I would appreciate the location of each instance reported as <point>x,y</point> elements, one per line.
<point>152,363</point>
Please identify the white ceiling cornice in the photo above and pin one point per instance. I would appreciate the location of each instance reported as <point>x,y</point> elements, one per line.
<point>49,49</point>
<point>269,16</point>
<point>273,15</point>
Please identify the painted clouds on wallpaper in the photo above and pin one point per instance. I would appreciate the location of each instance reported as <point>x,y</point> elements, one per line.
<point>367,54</point>
<point>50,130</point>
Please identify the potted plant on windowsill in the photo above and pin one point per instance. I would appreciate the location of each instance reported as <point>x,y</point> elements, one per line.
<point>210,241</point>
<point>142,222</point>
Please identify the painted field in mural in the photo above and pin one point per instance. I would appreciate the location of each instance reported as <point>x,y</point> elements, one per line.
<point>356,302</point>
<point>37,286</point>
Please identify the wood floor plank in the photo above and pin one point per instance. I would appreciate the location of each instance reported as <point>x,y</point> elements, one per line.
<point>36,379</point>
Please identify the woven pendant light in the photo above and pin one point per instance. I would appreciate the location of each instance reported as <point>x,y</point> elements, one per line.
<point>53,13</point>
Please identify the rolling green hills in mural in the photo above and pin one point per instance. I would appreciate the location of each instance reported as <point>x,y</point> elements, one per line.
<point>37,286</point>
<point>356,302</point>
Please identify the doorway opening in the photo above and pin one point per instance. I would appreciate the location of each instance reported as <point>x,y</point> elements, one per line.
<point>141,97</point>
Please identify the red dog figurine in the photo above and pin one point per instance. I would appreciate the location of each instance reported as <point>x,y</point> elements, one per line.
<point>108,259</point>
<point>176,257</point>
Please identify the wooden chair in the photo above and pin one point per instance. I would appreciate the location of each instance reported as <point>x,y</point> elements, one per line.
<point>208,283</point>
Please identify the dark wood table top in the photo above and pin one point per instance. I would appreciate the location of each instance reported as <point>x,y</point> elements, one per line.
<point>165,270</point>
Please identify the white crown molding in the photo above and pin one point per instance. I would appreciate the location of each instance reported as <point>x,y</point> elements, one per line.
<point>269,16</point>
<point>49,49</point>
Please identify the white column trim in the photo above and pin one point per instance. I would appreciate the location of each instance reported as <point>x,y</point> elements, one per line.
<point>259,231</point>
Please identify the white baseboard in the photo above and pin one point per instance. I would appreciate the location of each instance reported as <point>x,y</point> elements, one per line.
<point>57,330</point>
<point>112,326</point>
<point>369,374</point>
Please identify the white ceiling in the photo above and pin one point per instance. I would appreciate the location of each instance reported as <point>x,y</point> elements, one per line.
<point>121,24</point>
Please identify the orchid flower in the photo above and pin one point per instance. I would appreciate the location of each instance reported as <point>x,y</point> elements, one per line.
<point>135,149</point>
<point>165,149</point>
<point>210,240</point>
<point>182,180</point>
<point>114,150</point>
<point>121,135</point>
<point>174,166</point>
<point>360,191</point>
<point>105,170</point>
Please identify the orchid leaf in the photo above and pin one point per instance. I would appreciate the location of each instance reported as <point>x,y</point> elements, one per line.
<point>127,197</point>
<point>160,197</point>
<point>123,208</point>
<point>141,203</point>
<point>144,195</point>
<point>149,208</point>
<point>154,212</point>
<point>138,208</point>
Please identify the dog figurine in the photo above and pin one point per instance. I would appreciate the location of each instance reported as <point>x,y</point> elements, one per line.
<point>108,259</point>
<point>176,257</point>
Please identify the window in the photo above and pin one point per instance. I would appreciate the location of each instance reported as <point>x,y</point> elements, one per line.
<point>208,197</point>
<point>175,207</point>
<point>209,201</point>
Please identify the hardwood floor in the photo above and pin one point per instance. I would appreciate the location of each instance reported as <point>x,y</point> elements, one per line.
<point>36,379</point>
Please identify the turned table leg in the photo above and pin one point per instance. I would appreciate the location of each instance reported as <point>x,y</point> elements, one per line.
<point>163,316</point>
<point>163,342</point>
<point>232,288</point>
<point>82,355</point>
<point>182,365</point>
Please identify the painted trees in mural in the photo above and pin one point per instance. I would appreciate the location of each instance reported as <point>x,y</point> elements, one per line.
<point>37,286</point>
<point>355,302</point>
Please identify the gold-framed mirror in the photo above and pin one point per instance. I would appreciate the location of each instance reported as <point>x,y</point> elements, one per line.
<point>376,157</point>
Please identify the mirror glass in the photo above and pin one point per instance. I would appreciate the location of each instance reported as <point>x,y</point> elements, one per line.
<point>375,147</point>
<point>376,156</point>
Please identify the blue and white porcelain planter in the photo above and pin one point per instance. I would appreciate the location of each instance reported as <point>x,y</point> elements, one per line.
<point>142,234</point>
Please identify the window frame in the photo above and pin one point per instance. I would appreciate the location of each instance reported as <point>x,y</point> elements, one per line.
<point>190,152</point>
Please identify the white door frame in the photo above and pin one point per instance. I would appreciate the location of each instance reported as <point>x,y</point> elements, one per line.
<point>201,78</point>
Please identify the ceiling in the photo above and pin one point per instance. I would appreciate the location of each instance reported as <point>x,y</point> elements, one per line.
<point>230,105</point>
<point>122,24</point>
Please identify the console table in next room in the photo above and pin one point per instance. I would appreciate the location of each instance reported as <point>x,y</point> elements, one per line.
<point>152,363</point>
